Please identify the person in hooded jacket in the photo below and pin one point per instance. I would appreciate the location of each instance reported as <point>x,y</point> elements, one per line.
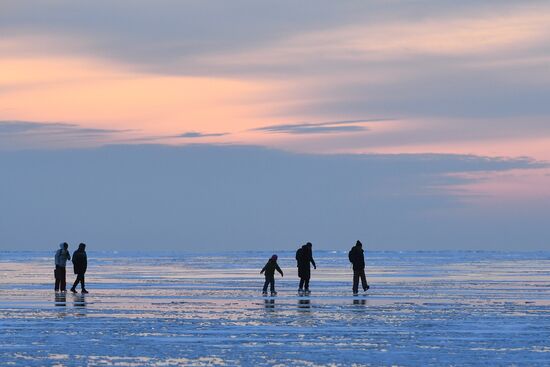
<point>269,270</point>
<point>80,264</point>
<point>304,257</point>
<point>357,258</point>
<point>61,257</point>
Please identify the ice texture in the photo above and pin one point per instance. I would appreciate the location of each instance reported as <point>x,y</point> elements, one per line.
<point>179,309</point>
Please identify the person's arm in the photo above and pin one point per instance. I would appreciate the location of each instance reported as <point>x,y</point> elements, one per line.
<point>57,259</point>
<point>263,269</point>
<point>68,255</point>
<point>279,269</point>
<point>313,263</point>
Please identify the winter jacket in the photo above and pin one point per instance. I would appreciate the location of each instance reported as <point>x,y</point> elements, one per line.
<point>61,256</point>
<point>80,261</point>
<point>304,257</point>
<point>357,257</point>
<point>270,268</point>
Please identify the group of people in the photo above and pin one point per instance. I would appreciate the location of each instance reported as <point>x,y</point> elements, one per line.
<point>80,264</point>
<point>304,260</point>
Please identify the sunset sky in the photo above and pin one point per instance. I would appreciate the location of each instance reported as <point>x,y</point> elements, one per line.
<point>455,96</point>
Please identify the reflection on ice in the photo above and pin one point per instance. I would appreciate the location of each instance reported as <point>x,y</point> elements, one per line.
<point>304,304</point>
<point>60,299</point>
<point>79,300</point>
<point>423,309</point>
<point>79,303</point>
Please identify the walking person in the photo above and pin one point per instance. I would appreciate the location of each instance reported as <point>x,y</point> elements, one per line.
<point>269,270</point>
<point>61,257</point>
<point>80,264</point>
<point>357,257</point>
<point>304,257</point>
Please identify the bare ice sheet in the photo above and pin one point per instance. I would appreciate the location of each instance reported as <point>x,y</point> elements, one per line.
<point>175,309</point>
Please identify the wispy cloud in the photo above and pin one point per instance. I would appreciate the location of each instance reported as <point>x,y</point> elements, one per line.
<point>17,134</point>
<point>196,134</point>
<point>34,134</point>
<point>343,126</point>
<point>31,127</point>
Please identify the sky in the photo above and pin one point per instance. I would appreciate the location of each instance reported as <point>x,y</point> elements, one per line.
<point>215,125</point>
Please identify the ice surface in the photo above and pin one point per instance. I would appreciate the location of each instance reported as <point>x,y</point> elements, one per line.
<point>171,309</point>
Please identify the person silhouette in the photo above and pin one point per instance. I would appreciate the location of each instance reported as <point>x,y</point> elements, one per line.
<point>304,256</point>
<point>269,270</point>
<point>61,257</point>
<point>357,258</point>
<point>80,264</point>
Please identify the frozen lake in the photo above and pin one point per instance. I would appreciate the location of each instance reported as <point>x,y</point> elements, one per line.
<point>170,309</point>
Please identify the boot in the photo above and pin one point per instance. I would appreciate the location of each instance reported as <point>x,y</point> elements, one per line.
<point>84,290</point>
<point>73,290</point>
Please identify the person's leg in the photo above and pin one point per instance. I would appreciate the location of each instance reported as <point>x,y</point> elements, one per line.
<point>272,289</point>
<point>306,274</point>
<point>364,280</point>
<point>76,281</point>
<point>79,279</point>
<point>57,280</point>
<point>266,283</point>
<point>63,279</point>
<point>82,284</point>
<point>301,286</point>
<point>355,281</point>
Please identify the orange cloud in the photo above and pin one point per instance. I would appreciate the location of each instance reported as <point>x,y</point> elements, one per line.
<point>102,95</point>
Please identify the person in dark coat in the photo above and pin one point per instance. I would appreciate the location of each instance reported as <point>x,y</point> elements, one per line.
<point>269,270</point>
<point>357,258</point>
<point>61,257</point>
<point>304,257</point>
<point>80,263</point>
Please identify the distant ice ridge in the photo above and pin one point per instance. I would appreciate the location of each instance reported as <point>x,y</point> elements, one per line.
<point>181,309</point>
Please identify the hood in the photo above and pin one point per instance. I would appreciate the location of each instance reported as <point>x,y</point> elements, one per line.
<point>81,247</point>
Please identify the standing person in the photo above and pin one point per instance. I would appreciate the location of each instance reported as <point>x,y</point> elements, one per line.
<point>269,270</point>
<point>61,257</point>
<point>357,258</point>
<point>80,263</point>
<point>304,256</point>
